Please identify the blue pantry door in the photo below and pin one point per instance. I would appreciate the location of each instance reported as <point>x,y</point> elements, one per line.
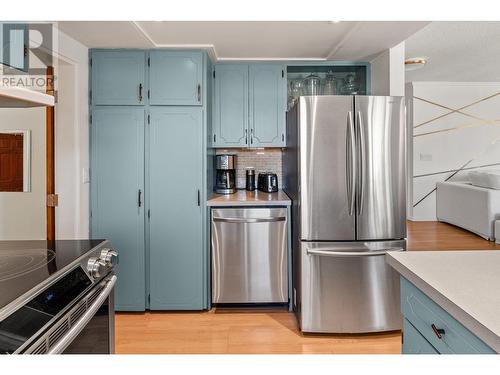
<point>230,125</point>
<point>175,78</point>
<point>267,105</point>
<point>116,184</point>
<point>118,78</point>
<point>176,243</point>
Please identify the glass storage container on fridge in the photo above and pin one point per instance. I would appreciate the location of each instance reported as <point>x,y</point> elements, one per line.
<point>330,86</point>
<point>351,85</point>
<point>312,85</point>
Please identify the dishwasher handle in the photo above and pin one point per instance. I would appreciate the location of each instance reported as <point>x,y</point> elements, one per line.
<point>249,220</point>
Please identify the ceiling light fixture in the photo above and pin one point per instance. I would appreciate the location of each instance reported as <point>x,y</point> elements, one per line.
<point>415,63</point>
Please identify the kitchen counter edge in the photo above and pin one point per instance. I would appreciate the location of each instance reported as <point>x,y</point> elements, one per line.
<point>243,198</point>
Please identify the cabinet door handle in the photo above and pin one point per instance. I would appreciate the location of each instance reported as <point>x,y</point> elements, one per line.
<point>140,92</point>
<point>246,136</point>
<point>214,138</point>
<point>199,198</point>
<point>139,198</point>
<point>438,331</point>
<point>198,90</point>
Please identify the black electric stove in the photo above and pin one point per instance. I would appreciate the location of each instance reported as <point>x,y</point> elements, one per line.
<point>40,281</point>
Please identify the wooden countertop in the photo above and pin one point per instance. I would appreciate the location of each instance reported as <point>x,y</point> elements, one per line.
<point>249,198</point>
<point>464,283</point>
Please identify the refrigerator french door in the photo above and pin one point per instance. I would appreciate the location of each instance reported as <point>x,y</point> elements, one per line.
<point>381,178</point>
<point>348,155</point>
<point>352,168</point>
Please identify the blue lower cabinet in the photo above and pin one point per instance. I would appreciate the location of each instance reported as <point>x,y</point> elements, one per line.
<point>117,183</point>
<point>435,326</point>
<point>176,204</point>
<point>414,342</point>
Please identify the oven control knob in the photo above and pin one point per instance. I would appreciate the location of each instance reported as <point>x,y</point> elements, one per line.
<point>95,267</point>
<point>109,257</point>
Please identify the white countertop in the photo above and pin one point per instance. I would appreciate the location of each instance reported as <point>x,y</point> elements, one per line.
<point>464,283</point>
<point>249,198</point>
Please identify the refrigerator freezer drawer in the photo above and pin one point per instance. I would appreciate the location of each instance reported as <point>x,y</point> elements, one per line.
<point>348,287</point>
<point>249,255</point>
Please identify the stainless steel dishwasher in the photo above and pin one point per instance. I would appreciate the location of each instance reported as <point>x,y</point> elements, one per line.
<point>249,255</point>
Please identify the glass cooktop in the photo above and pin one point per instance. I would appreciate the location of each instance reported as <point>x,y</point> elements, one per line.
<point>25,264</point>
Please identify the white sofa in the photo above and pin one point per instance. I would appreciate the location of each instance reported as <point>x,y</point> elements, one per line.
<point>470,207</point>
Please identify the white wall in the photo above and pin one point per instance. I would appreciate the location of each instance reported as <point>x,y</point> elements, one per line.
<point>445,142</point>
<point>66,151</point>
<point>387,72</point>
<point>380,80</point>
<point>23,215</point>
<point>72,139</point>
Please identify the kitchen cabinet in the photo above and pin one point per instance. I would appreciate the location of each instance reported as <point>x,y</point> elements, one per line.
<point>117,187</point>
<point>443,333</point>
<point>149,174</point>
<point>176,240</point>
<point>118,78</point>
<point>175,77</point>
<point>249,105</point>
<point>230,125</point>
<point>267,107</point>
<point>414,342</point>
<point>14,49</point>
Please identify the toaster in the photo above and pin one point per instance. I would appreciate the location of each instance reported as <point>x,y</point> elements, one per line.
<point>267,182</point>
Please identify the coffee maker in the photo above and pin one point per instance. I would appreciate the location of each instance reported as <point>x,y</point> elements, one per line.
<point>225,178</point>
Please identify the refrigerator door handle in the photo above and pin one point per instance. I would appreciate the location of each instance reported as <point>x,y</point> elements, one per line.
<point>351,164</point>
<point>327,252</point>
<point>362,163</point>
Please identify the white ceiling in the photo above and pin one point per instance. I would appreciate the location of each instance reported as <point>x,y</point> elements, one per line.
<point>319,40</point>
<point>457,52</point>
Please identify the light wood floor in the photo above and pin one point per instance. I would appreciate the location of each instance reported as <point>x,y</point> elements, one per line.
<point>432,235</point>
<point>228,331</point>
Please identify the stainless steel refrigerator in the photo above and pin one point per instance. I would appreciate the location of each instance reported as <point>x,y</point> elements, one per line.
<point>344,169</point>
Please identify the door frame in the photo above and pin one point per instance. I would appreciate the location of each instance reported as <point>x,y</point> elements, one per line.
<point>50,180</point>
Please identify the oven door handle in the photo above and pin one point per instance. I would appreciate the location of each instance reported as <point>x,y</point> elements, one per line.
<point>80,325</point>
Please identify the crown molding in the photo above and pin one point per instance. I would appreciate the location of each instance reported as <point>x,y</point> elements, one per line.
<point>339,45</point>
<point>212,53</point>
<point>214,57</point>
<point>210,48</point>
<point>235,59</point>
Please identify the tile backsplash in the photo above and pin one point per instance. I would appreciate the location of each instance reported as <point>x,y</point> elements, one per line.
<point>263,160</point>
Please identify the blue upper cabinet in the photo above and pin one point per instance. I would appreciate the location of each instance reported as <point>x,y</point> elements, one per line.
<point>267,105</point>
<point>230,112</point>
<point>249,105</point>
<point>176,78</point>
<point>14,47</point>
<point>118,78</point>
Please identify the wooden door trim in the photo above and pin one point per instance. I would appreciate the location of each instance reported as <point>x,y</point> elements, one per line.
<point>50,157</point>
